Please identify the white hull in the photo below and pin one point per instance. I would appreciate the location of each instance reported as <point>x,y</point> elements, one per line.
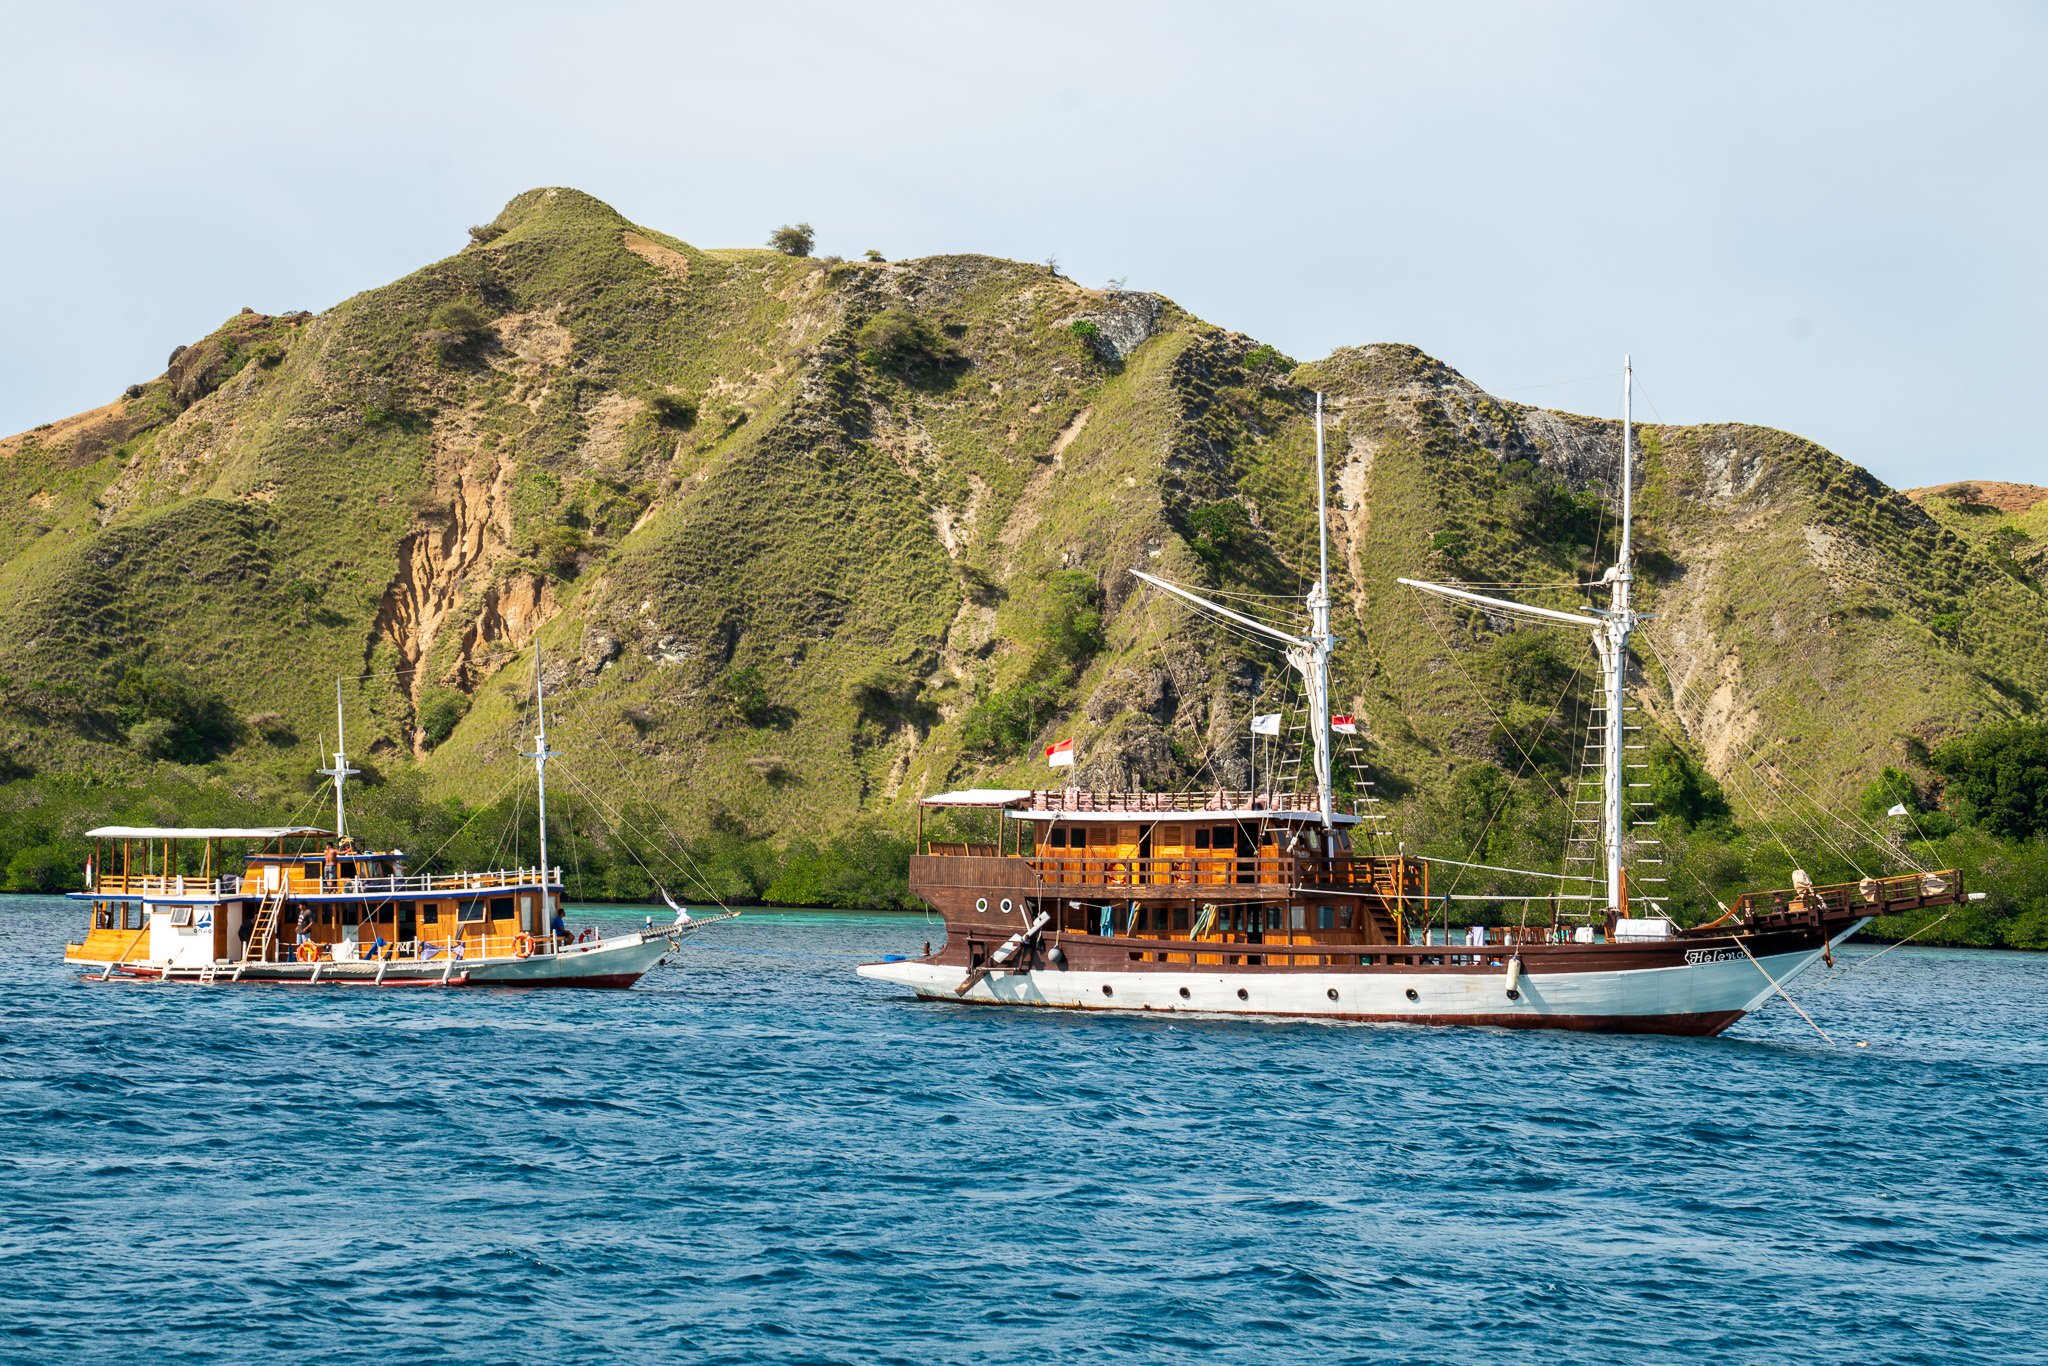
<point>1694,998</point>
<point>618,961</point>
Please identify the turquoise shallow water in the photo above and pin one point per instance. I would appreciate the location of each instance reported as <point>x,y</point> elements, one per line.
<point>757,1157</point>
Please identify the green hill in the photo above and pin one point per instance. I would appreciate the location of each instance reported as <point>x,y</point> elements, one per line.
<point>799,539</point>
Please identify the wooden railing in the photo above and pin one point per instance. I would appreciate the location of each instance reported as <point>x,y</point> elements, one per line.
<point>1905,892</point>
<point>1216,799</point>
<point>252,884</point>
<point>1388,877</point>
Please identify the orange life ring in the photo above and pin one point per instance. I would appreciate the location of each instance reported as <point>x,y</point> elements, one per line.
<point>309,952</point>
<point>522,947</point>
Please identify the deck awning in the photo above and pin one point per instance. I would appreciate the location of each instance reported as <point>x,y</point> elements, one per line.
<point>982,796</point>
<point>205,832</point>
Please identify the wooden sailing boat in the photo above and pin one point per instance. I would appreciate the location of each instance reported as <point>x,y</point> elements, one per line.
<point>308,906</point>
<point>1257,904</point>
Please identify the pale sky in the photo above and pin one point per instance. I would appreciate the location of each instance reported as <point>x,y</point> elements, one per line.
<point>1822,217</point>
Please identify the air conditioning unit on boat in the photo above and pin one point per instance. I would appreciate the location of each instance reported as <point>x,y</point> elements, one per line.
<point>1648,927</point>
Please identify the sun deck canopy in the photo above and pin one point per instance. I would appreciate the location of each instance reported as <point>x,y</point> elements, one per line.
<point>983,796</point>
<point>205,832</point>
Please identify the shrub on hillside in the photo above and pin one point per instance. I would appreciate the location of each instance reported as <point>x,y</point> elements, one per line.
<point>885,695</point>
<point>440,711</point>
<point>1004,722</point>
<point>673,412</point>
<point>167,715</point>
<point>902,343</point>
<point>1221,535</point>
<point>485,232</point>
<point>1072,627</point>
<point>745,693</point>
<point>458,330</point>
<point>793,239</point>
<point>1998,777</point>
<point>561,549</point>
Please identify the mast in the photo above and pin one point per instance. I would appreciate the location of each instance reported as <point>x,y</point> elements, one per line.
<point>1611,642</point>
<point>1610,628</point>
<point>1310,654</point>
<point>540,756</point>
<point>341,772</point>
<point>1317,673</point>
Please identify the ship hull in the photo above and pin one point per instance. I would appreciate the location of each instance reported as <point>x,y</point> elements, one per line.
<point>613,963</point>
<point>1697,999</point>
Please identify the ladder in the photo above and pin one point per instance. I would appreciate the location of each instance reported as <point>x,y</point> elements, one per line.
<point>256,950</point>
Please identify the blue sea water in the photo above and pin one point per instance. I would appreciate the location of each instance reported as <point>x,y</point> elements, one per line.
<point>755,1156</point>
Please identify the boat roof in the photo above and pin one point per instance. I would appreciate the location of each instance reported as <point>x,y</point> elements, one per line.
<point>205,832</point>
<point>983,796</point>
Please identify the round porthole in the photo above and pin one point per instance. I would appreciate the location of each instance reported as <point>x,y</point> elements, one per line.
<point>1333,993</point>
<point>981,903</point>
<point>1412,996</point>
<point>1006,905</point>
<point>1108,990</point>
<point>1514,995</point>
<point>1243,995</point>
<point>1184,993</point>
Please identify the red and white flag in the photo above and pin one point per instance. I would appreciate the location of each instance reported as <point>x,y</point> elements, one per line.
<point>1344,725</point>
<point>1060,755</point>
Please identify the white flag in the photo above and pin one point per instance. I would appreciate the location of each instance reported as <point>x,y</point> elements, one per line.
<point>1898,810</point>
<point>1269,724</point>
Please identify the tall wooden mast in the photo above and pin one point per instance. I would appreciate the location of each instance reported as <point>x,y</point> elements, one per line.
<point>1611,628</point>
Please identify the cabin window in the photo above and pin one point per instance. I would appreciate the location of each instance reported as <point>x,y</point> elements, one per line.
<point>1275,916</point>
<point>1300,918</point>
<point>181,916</point>
<point>430,912</point>
<point>1326,917</point>
<point>471,913</point>
<point>1180,919</point>
<point>1225,838</point>
<point>1201,837</point>
<point>1344,917</point>
<point>501,908</point>
<point>312,870</point>
<point>1056,838</point>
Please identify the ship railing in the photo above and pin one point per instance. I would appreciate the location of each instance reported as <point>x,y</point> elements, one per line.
<point>496,879</point>
<point>1905,891</point>
<point>1215,799</point>
<point>1387,877</point>
<point>472,946</point>
<point>250,884</point>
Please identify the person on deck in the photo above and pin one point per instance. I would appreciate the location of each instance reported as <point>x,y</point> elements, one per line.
<point>305,922</point>
<point>559,927</point>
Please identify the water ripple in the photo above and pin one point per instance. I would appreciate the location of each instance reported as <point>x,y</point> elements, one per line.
<point>757,1157</point>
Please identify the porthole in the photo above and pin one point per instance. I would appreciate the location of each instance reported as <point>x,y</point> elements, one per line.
<point>1006,905</point>
<point>1333,993</point>
<point>1412,996</point>
<point>1184,993</point>
<point>981,904</point>
<point>1243,995</point>
<point>1108,990</point>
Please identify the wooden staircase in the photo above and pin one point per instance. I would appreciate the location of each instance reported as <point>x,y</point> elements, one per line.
<point>257,949</point>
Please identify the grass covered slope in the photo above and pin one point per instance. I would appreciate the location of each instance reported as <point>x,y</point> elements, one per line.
<point>800,539</point>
